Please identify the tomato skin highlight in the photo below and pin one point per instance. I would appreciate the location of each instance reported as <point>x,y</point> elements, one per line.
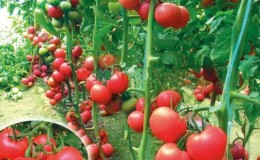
<point>169,98</point>
<point>10,149</point>
<point>100,94</point>
<point>209,144</point>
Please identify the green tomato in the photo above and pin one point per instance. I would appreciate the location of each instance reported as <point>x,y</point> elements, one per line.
<point>114,7</point>
<point>39,2</point>
<point>15,90</point>
<point>65,6</point>
<point>49,59</point>
<point>43,51</point>
<point>57,23</point>
<point>74,15</point>
<point>20,95</point>
<point>54,2</point>
<point>129,105</point>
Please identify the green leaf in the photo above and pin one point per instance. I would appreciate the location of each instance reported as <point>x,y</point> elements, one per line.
<point>201,55</point>
<point>107,74</point>
<point>221,47</point>
<point>100,33</point>
<point>214,25</point>
<point>42,20</point>
<point>168,58</point>
<point>72,140</point>
<point>103,18</point>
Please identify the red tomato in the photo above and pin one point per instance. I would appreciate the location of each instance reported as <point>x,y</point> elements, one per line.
<point>93,151</point>
<point>54,12</point>
<point>200,96</point>
<point>31,30</point>
<point>130,4</point>
<point>197,74</point>
<point>55,41</point>
<point>184,18</point>
<point>168,98</point>
<point>143,10</point>
<point>52,83</point>
<point>206,3</point>
<point>209,144</point>
<point>238,151</point>
<point>11,149</point>
<point>60,53</point>
<point>52,47</point>
<point>100,94</point>
<point>208,89</point>
<point>57,63</point>
<point>53,102</point>
<point>70,116</point>
<point>170,151</point>
<point>85,116</point>
<point>77,52</point>
<point>167,14</point>
<point>118,83</point>
<point>139,106</point>
<point>89,63</point>
<point>44,68</point>
<point>91,81</point>
<point>210,75</point>
<point>136,121</point>
<point>31,36</point>
<point>58,97</point>
<point>107,149</point>
<point>74,3</point>
<point>50,94</point>
<point>83,74</point>
<point>25,81</point>
<point>167,125</point>
<point>43,139</point>
<point>69,153</point>
<point>114,105</point>
<point>65,69</point>
<point>58,77</point>
<point>106,60</point>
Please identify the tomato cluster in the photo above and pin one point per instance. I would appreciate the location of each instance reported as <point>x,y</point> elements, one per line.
<point>201,92</point>
<point>41,147</point>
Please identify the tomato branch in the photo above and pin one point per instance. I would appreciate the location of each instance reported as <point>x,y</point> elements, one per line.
<point>235,95</point>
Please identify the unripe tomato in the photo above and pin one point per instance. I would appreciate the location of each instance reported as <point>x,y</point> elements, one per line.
<point>130,4</point>
<point>167,14</point>
<point>100,94</point>
<point>136,121</point>
<point>167,125</point>
<point>114,7</point>
<point>52,83</point>
<point>118,83</point>
<point>55,41</point>
<point>169,98</point>
<point>51,47</point>
<point>57,23</point>
<point>65,6</point>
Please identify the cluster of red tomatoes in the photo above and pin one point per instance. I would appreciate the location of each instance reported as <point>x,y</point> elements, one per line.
<point>201,92</point>
<point>42,147</point>
<point>166,14</point>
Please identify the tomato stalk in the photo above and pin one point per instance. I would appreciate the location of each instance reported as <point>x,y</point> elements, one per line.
<point>70,59</point>
<point>147,80</point>
<point>69,90</point>
<point>240,96</point>
<point>125,35</point>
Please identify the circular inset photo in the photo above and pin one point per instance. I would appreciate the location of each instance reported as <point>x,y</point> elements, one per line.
<point>40,140</point>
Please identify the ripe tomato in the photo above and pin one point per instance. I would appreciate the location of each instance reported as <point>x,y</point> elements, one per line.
<point>70,116</point>
<point>83,74</point>
<point>54,12</point>
<point>31,36</point>
<point>65,69</point>
<point>24,158</point>
<point>210,75</point>
<point>55,41</point>
<point>209,144</point>
<point>25,81</point>
<point>52,83</point>
<point>93,151</point>
<point>114,105</point>
<point>143,10</point>
<point>11,149</point>
<point>130,4</point>
<point>58,97</point>
<point>107,149</point>
<point>85,116</point>
<point>89,63</point>
<point>68,153</point>
<point>57,63</point>
<point>238,151</point>
<point>118,83</point>
<point>50,94</point>
<point>200,96</point>
<point>140,105</point>
<point>169,98</point>
<point>136,121</point>
<point>170,151</point>
<point>74,3</point>
<point>53,102</point>
<point>167,14</point>
<point>60,53</point>
<point>206,3</point>
<point>100,94</point>
<point>91,81</point>
<point>184,18</point>
<point>43,139</point>
<point>106,60</point>
<point>167,125</point>
<point>77,52</point>
<point>31,30</point>
<point>58,77</point>
<point>208,89</point>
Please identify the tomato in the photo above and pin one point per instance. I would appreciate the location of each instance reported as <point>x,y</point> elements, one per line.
<point>11,149</point>
<point>50,94</point>
<point>83,74</point>
<point>85,116</point>
<point>55,12</point>
<point>234,1</point>
<point>58,77</point>
<point>210,75</point>
<point>49,59</point>
<point>31,36</point>
<point>37,73</point>
<point>65,69</point>
<point>65,6</point>
<point>77,52</point>
<point>258,158</point>
<point>169,98</point>
<point>91,81</point>
<point>44,68</point>
<point>106,60</point>
<point>238,151</point>
<point>30,84</point>
<point>118,83</point>
<point>184,18</point>
<point>51,47</point>
<point>89,63</point>
<point>74,15</point>
<point>208,89</point>
<point>140,105</point>
<point>107,149</point>
<point>209,144</point>
<point>74,3</point>
<point>170,151</point>
<point>55,41</point>
<point>60,53</point>
<point>57,63</point>
<point>73,126</point>
<point>31,30</point>
<point>100,94</point>
<point>136,121</point>
<point>167,125</point>
<point>114,105</point>
<point>143,10</point>
<point>206,3</point>
<point>43,51</point>
<point>25,34</point>
<point>58,97</point>
<point>52,83</point>
<point>129,105</point>
<point>43,139</point>
<point>25,81</point>
<point>167,14</point>
<point>52,102</point>
<point>130,4</point>
<point>93,151</point>
<point>57,23</point>
<point>70,116</point>
<point>68,153</point>
<point>200,96</point>
<point>114,7</point>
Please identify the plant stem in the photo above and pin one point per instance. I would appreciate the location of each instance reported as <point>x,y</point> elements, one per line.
<point>250,131</point>
<point>234,95</point>
<point>125,35</point>
<point>69,90</point>
<point>147,80</point>
<point>128,136</point>
<point>213,98</point>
